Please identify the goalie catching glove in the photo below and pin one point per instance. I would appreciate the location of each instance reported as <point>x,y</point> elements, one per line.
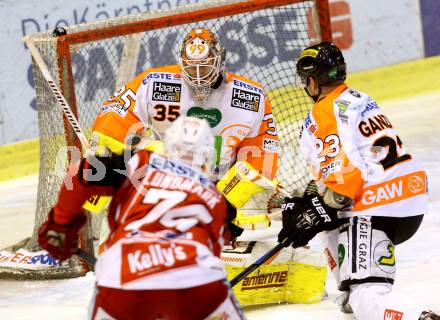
<point>304,218</point>
<point>60,240</point>
<point>248,191</point>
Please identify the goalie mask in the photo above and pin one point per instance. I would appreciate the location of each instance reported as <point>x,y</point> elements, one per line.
<point>191,140</point>
<point>202,62</point>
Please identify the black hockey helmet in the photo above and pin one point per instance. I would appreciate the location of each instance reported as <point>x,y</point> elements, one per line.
<point>323,61</point>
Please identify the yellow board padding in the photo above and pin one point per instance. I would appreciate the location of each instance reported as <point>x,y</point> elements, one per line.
<point>290,282</point>
<point>19,159</point>
<point>399,81</point>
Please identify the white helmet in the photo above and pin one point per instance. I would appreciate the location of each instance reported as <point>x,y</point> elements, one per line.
<point>202,62</point>
<point>190,139</point>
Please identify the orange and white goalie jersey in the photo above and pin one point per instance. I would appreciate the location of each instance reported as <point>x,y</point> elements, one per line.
<point>355,151</point>
<point>167,223</point>
<point>237,111</point>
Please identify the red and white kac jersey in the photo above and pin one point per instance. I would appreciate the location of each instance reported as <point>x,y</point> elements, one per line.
<point>238,112</point>
<point>355,151</point>
<point>167,223</point>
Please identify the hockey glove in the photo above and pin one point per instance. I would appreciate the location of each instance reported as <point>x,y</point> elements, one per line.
<point>304,218</point>
<point>291,210</point>
<point>61,241</point>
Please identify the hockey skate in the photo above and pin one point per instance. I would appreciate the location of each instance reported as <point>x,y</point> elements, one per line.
<point>342,302</point>
<point>429,315</point>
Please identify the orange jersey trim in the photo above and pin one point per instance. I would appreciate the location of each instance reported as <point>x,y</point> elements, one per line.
<point>401,188</point>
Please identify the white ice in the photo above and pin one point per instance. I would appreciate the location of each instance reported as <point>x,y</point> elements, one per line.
<point>418,260</point>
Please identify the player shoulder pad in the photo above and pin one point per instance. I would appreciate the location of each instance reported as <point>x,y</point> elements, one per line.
<point>353,101</point>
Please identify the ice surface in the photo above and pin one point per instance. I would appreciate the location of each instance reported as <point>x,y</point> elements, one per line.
<point>418,122</point>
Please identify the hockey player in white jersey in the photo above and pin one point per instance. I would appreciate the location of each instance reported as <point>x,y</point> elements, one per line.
<point>236,108</point>
<point>368,194</point>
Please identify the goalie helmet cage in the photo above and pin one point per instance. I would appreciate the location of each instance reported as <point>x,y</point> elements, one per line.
<point>263,39</point>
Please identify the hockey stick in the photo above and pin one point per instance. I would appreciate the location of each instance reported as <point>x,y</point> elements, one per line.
<point>56,91</point>
<point>264,182</point>
<point>259,262</point>
<point>87,257</point>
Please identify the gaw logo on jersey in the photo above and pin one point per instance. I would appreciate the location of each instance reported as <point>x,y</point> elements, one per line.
<point>164,91</point>
<point>213,115</point>
<point>384,256</point>
<point>245,100</point>
<point>416,184</point>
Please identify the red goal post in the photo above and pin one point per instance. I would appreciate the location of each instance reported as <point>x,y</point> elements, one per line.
<point>262,37</point>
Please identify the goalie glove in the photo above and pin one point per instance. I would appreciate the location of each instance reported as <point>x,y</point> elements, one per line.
<point>304,218</point>
<point>248,191</point>
<point>61,241</point>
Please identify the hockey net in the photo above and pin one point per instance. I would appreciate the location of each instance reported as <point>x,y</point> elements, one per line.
<point>263,40</point>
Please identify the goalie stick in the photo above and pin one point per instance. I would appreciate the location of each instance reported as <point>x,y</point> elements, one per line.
<point>88,240</point>
<point>56,91</point>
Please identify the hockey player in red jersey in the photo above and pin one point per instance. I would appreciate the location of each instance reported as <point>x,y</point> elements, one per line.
<point>368,193</point>
<point>167,228</point>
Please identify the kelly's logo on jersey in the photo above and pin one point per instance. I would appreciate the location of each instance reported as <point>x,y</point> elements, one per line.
<point>163,91</point>
<point>245,100</point>
<point>143,259</point>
